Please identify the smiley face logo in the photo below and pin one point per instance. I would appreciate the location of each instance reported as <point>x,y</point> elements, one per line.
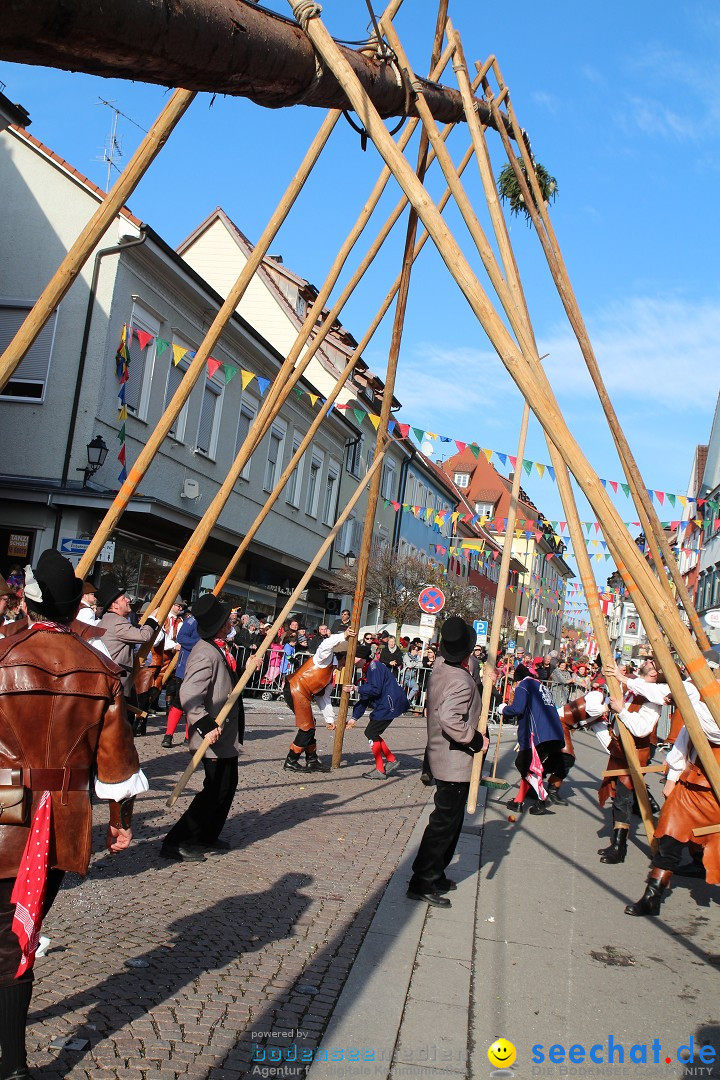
<point>502,1054</point>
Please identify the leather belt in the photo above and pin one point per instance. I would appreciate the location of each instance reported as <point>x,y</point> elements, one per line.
<point>70,779</point>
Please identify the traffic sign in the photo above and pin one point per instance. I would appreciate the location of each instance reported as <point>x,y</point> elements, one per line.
<point>510,647</point>
<point>480,626</point>
<point>521,622</point>
<point>73,545</point>
<point>428,620</point>
<point>431,600</point>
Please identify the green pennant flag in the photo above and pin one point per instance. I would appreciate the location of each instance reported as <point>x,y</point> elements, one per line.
<point>160,346</point>
<point>626,489</point>
<point>359,415</point>
<point>230,372</point>
<point>527,466</point>
<point>588,527</point>
<point>419,434</point>
<point>474,450</point>
<point>121,434</point>
<point>298,392</point>
<point>670,497</point>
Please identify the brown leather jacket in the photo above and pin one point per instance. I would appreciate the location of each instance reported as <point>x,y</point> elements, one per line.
<point>61,708</point>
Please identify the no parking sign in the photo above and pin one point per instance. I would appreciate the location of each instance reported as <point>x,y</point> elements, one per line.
<point>431,600</point>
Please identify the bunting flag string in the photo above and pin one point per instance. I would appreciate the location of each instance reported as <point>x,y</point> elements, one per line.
<point>122,362</point>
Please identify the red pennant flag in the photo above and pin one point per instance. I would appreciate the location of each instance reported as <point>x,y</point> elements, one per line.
<point>404,429</point>
<point>143,337</point>
<point>213,365</point>
<point>614,485</point>
<point>121,455</point>
<point>460,445</point>
<point>660,496</point>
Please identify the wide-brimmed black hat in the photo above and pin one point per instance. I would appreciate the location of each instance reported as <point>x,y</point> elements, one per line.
<point>210,614</point>
<point>457,640</point>
<point>108,590</point>
<point>55,579</point>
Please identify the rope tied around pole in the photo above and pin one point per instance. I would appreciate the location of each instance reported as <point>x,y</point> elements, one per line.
<point>305,10</point>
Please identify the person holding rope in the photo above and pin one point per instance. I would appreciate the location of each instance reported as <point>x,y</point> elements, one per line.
<point>690,804</point>
<point>639,712</point>
<point>62,717</point>
<point>312,681</point>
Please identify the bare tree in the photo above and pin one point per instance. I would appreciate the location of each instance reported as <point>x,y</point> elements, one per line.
<point>395,581</point>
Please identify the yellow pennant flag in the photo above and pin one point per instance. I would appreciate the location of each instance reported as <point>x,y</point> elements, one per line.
<point>178,353</point>
<point>246,377</point>
<point>540,468</point>
<point>488,454</point>
<point>313,399</point>
<point>122,413</point>
<point>374,420</point>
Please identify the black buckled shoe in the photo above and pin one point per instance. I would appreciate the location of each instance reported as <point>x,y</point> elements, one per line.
<point>182,852</point>
<point>618,849</point>
<point>292,764</point>
<point>431,896</point>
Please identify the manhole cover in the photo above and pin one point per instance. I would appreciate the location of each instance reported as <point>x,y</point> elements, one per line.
<point>613,957</point>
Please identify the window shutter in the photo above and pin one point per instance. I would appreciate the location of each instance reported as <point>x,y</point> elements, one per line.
<point>207,415</point>
<point>34,366</point>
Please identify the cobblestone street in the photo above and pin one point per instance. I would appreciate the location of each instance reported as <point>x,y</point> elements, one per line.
<point>165,969</point>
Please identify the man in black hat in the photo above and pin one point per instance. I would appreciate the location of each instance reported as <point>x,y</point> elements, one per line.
<point>453,708</point>
<point>62,718</point>
<point>210,676</point>
<point>121,636</point>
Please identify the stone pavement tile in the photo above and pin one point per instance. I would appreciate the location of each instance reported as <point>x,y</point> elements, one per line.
<point>430,1037</point>
<point>438,979</point>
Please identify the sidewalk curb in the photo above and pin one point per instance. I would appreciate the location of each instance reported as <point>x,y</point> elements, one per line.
<point>412,969</point>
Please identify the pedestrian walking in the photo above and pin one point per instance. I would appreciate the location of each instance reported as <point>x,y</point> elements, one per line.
<point>63,718</point>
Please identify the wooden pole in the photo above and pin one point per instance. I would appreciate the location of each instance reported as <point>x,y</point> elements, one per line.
<point>264,646</point>
<point>541,219</point>
<point>381,443</point>
<point>496,625</point>
<point>93,232</point>
<point>528,345</point>
<point>287,377</point>
<point>198,365</point>
<point>542,405</point>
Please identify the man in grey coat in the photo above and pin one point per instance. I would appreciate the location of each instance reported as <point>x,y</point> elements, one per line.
<point>453,705</point>
<point>121,637</point>
<point>210,675</point>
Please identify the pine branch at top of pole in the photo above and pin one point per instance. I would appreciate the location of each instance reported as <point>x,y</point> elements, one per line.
<point>198,365</point>
<point>540,217</point>
<point>363,561</point>
<point>543,406</point>
<point>265,644</point>
<point>66,274</point>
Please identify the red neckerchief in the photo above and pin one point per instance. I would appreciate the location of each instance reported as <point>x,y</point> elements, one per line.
<point>53,627</point>
<point>229,658</point>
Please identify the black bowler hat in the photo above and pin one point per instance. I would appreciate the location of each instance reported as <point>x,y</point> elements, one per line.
<point>55,580</point>
<point>108,590</point>
<point>457,640</point>
<point>210,615</point>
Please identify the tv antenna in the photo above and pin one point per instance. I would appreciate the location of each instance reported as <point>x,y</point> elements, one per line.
<point>112,149</point>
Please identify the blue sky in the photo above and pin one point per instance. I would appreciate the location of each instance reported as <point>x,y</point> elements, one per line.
<point>622,105</point>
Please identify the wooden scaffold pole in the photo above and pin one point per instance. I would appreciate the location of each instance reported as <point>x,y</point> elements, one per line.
<point>80,252</point>
<point>541,403</point>
<point>660,549</point>
<point>199,362</point>
<point>529,347</point>
<point>265,645</point>
<point>363,561</point>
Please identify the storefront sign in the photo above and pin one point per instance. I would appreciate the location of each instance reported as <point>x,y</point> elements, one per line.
<point>18,545</point>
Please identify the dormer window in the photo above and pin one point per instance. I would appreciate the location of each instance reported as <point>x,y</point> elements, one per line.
<point>462,479</point>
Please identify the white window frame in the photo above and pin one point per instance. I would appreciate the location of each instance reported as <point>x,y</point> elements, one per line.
<point>293,488</point>
<point>143,319</point>
<point>317,460</point>
<point>461,480</point>
<point>354,457</point>
<point>181,423</point>
<point>330,492</point>
<point>273,470</point>
<point>217,389</point>
<point>388,480</point>
<point>34,356</point>
<point>248,411</point>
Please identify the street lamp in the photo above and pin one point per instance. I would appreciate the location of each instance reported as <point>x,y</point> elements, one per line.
<point>96,453</point>
<point>349,559</point>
